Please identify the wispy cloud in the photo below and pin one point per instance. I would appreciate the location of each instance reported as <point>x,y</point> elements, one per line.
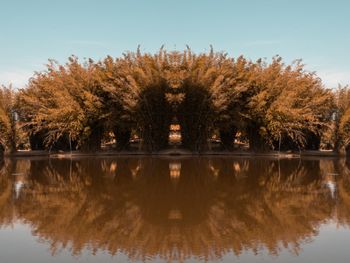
<point>331,78</point>
<point>18,78</point>
<point>88,43</point>
<point>263,42</point>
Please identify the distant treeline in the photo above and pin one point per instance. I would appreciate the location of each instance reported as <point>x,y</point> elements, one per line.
<point>270,104</point>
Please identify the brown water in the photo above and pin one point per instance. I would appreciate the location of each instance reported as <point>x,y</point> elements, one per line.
<point>174,210</point>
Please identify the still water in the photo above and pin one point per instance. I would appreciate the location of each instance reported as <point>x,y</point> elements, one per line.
<point>174,210</point>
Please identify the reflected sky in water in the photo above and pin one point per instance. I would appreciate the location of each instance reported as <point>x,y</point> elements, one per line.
<point>174,210</point>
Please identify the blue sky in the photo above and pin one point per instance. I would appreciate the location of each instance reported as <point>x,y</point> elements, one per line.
<point>318,31</point>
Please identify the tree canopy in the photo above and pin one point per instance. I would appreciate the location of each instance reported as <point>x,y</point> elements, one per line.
<point>269,103</point>
<point>7,119</point>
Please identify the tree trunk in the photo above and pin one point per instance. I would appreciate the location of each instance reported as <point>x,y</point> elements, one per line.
<point>93,142</point>
<point>347,150</point>
<point>194,115</point>
<point>2,150</point>
<point>64,144</point>
<point>313,141</point>
<point>194,135</point>
<point>286,144</point>
<point>227,137</point>
<point>12,140</point>
<point>36,141</point>
<point>256,142</point>
<point>155,137</point>
<point>156,118</point>
<point>12,146</point>
<point>337,138</point>
<point>123,136</point>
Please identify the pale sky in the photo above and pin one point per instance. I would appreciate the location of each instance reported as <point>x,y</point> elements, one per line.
<point>32,31</point>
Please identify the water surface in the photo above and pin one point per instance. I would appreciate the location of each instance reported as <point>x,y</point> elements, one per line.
<point>174,210</point>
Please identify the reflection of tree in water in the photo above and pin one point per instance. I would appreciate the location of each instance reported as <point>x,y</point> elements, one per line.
<point>139,207</point>
<point>5,194</point>
<point>342,177</point>
<point>273,205</point>
<point>11,180</point>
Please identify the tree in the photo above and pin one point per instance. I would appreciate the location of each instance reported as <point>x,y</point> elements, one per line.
<point>202,97</point>
<point>114,96</point>
<point>236,89</point>
<point>302,110</point>
<point>274,105</point>
<point>285,104</point>
<point>63,103</point>
<point>141,77</point>
<point>341,116</point>
<point>8,115</point>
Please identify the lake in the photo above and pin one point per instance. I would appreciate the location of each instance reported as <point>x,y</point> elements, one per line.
<point>190,209</point>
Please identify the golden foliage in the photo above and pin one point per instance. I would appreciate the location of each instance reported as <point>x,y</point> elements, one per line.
<point>8,127</point>
<point>203,92</point>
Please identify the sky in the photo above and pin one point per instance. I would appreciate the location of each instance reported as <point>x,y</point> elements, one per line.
<point>317,31</point>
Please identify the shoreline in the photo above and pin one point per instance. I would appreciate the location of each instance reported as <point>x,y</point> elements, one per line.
<point>174,153</point>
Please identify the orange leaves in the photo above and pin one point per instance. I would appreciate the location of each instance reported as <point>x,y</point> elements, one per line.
<point>217,90</point>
